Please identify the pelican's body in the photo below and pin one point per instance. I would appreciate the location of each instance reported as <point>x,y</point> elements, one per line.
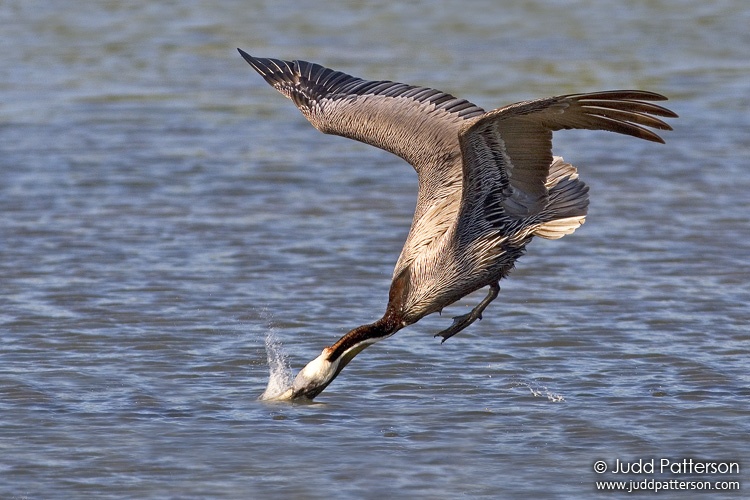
<point>488,184</point>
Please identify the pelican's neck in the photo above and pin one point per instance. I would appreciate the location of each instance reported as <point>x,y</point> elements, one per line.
<point>361,337</point>
<point>321,371</point>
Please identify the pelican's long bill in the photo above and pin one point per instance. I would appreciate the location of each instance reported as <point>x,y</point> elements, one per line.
<point>318,373</point>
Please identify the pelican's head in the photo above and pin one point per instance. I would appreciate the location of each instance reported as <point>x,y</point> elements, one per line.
<point>312,379</point>
<point>315,376</point>
<point>320,372</point>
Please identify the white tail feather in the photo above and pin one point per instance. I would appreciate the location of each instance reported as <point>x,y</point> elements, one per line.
<point>556,229</point>
<point>558,171</point>
<point>568,201</point>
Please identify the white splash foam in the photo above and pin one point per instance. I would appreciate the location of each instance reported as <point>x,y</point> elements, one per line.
<point>280,373</point>
<point>540,391</point>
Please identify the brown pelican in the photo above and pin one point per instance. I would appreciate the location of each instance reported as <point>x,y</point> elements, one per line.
<point>488,184</point>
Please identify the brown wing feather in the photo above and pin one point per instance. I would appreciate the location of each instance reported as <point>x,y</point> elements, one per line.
<point>419,124</point>
<point>519,138</point>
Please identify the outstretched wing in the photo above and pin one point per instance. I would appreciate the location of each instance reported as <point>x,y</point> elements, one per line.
<point>418,124</point>
<point>507,152</point>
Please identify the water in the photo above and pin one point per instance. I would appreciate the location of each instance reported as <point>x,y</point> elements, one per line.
<point>280,376</point>
<point>163,210</point>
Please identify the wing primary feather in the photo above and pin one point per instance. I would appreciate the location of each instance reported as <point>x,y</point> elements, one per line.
<point>627,95</point>
<point>640,106</point>
<point>627,116</point>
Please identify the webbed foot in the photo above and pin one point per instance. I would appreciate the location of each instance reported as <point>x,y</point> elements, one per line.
<point>461,322</point>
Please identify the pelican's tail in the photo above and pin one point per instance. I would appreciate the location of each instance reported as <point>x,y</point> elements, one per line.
<point>568,201</point>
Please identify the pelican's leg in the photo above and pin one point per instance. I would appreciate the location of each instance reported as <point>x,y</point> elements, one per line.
<point>461,322</point>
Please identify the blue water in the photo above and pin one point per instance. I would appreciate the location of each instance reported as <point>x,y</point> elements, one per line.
<point>163,210</point>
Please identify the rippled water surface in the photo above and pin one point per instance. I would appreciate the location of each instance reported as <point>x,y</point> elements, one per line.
<point>162,211</point>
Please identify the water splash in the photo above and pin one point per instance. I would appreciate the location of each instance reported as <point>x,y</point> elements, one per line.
<point>280,373</point>
<point>540,391</point>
